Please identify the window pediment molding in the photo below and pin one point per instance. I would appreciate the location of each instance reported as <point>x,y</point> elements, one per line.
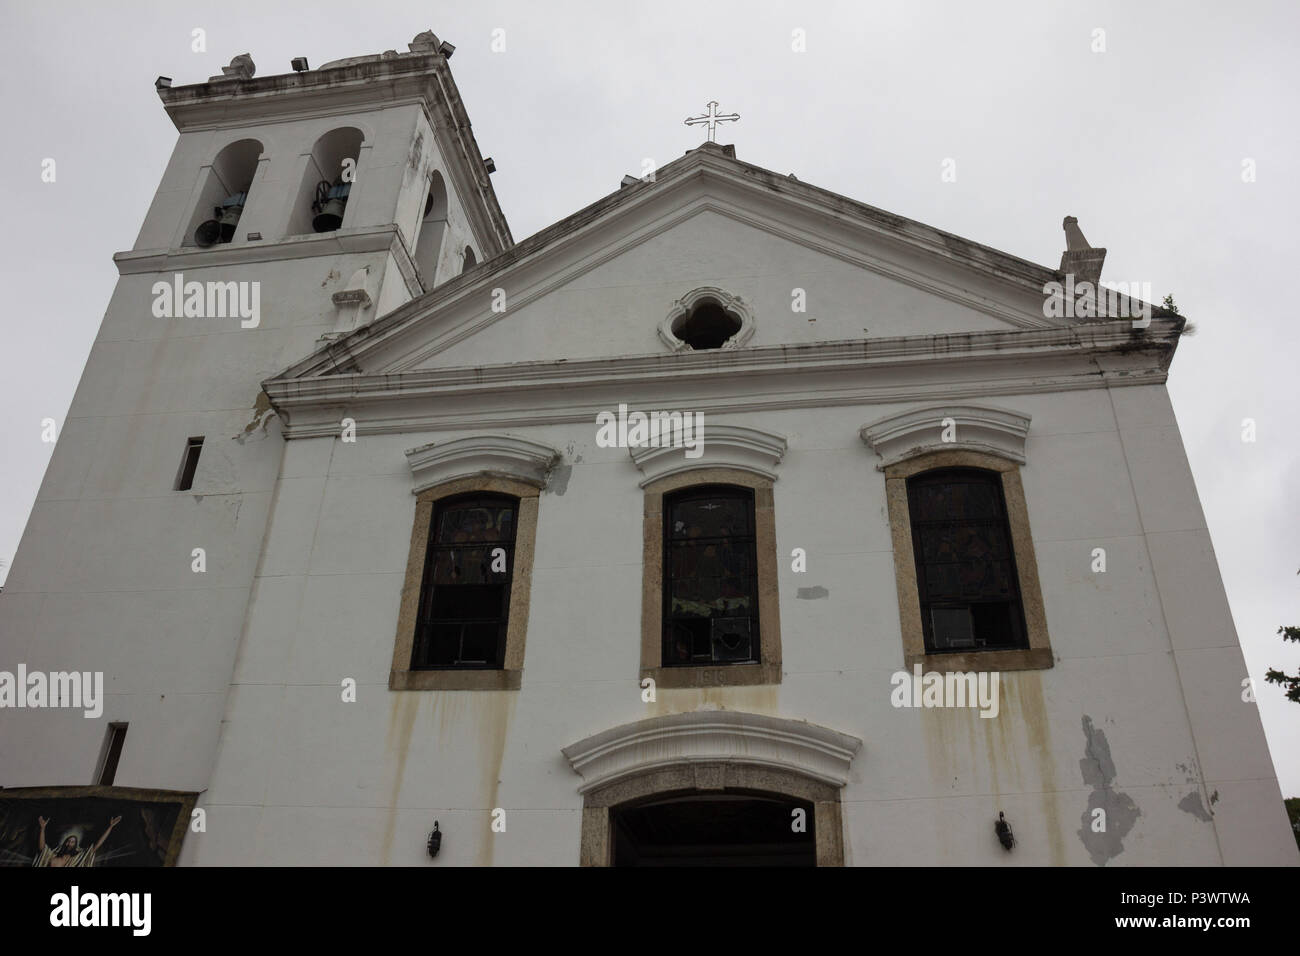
<point>502,455</point>
<point>722,736</point>
<point>979,428</point>
<point>720,446</point>
<point>696,297</point>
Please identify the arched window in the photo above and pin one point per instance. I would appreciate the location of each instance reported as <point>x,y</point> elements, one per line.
<point>433,226</point>
<point>965,563</point>
<point>465,595</point>
<point>327,182</point>
<point>223,194</point>
<point>710,569</point>
<point>471,260</point>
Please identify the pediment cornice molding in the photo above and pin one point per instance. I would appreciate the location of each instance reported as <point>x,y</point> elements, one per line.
<point>725,736</point>
<point>949,427</point>
<point>489,454</point>
<point>719,446</point>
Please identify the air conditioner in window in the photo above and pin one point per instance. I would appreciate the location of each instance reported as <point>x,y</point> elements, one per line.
<point>952,628</point>
<point>732,639</point>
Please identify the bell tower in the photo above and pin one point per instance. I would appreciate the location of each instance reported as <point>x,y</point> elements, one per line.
<point>294,208</point>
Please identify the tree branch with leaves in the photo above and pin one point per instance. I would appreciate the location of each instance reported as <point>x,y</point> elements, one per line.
<point>1290,682</point>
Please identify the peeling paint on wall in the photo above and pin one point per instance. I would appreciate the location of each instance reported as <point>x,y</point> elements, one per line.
<point>1098,771</point>
<point>262,414</point>
<point>1192,804</point>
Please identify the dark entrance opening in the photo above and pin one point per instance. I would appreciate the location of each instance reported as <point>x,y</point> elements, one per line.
<point>727,828</point>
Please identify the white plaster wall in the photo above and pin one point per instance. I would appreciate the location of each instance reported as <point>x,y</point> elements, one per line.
<point>303,777</point>
<point>102,579</point>
<point>616,307</point>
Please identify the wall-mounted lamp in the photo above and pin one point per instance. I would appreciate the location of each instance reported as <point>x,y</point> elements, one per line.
<point>435,840</point>
<point>162,83</point>
<point>446,49</point>
<point>299,64</point>
<point>490,165</point>
<point>1003,830</point>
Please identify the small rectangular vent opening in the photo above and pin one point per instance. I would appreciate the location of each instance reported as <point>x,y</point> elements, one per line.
<point>112,754</point>
<point>185,478</point>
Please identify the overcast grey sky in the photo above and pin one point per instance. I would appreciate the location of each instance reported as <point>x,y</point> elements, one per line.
<point>1143,142</point>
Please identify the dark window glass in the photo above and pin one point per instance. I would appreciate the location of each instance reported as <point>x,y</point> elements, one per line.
<point>465,597</point>
<point>710,577</point>
<point>965,567</point>
<point>189,464</point>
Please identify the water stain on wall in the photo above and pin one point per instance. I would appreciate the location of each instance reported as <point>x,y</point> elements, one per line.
<point>761,699</point>
<point>1009,755</point>
<point>557,483</point>
<point>483,717</point>
<point>465,726</point>
<point>1027,688</point>
<point>402,709</point>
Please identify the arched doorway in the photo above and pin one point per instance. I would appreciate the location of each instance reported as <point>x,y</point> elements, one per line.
<point>713,788</point>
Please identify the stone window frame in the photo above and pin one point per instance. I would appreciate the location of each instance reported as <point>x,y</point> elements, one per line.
<point>1038,655</point>
<point>485,464</point>
<point>510,675</point>
<point>768,668</point>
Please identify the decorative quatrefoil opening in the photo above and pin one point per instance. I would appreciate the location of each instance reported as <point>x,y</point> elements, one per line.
<point>707,318</point>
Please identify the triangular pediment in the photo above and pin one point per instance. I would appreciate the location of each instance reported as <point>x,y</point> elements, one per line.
<point>803,264</point>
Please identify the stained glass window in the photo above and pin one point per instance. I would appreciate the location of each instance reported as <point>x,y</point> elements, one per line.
<point>710,577</point>
<point>965,566</point>
<point>465,598</point>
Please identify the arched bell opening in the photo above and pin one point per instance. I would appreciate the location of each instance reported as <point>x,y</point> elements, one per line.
<point>331,171</point>
<point>223,194</point>
<point>433,228</point>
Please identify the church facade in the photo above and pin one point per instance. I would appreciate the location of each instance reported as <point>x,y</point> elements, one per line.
<point>726,520</point>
